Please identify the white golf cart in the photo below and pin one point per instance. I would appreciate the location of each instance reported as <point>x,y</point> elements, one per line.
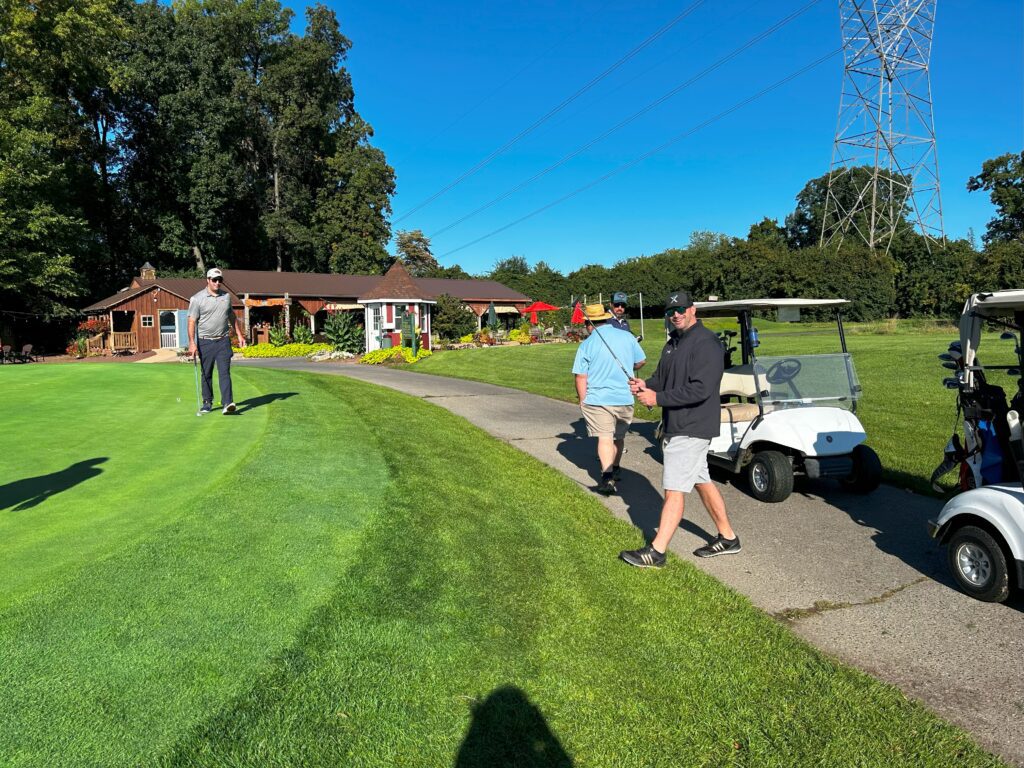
<point>789,414</point>
<point>984,526</point>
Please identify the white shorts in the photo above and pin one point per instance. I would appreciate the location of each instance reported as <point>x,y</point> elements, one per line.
<point>685,463</point>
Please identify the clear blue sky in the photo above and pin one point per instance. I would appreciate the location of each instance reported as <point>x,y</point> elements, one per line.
<point>446,83</point>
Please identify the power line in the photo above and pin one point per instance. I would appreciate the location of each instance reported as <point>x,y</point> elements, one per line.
<point>551,113</point>
<point>646,155</point>
<point>497,89</point>
<point>657,102</point>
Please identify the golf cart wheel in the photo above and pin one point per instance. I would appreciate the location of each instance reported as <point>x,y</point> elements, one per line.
<point>770,476</point>
<point>978,564</point>
<point>867,471</point>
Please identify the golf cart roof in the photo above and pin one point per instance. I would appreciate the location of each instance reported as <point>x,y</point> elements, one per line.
<point>995,303</point>
<point>978,308</point>
<point>711,308</point>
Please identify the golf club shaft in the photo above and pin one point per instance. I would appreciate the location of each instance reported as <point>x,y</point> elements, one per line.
<point>607,346</point>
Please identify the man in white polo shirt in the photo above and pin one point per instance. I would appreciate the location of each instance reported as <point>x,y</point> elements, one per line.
<point>210,318</point>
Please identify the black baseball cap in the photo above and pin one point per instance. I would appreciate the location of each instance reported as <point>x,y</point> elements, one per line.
<point>681,299</point>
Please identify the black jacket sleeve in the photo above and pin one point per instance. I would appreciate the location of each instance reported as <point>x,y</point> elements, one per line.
<point>703,377</point>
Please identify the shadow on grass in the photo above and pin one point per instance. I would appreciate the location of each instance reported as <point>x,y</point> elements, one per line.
<point>642,499</point>
<point>256,402</point>
<point>508,730</point>
<point>33,491</point>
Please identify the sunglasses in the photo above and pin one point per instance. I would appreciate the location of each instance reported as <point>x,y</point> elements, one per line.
<point>216,279</point>
<point>675,310</point>
<point>623,306</point>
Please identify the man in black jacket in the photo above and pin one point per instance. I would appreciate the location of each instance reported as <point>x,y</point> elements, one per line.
<point>686,386</point>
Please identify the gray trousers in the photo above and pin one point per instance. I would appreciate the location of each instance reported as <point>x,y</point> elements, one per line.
<point>217,351</point>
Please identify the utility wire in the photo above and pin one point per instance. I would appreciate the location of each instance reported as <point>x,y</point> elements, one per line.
<point>497,89</point>
<point>551,113</point>
<point>646,155</point>
<point>657,102</point>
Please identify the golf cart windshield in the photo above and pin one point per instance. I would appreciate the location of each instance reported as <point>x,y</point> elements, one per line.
<point>805,379</point>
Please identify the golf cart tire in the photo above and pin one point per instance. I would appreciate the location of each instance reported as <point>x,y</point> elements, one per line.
<point>770,476</point>
<point>867,471</point>
<point>972,549</point>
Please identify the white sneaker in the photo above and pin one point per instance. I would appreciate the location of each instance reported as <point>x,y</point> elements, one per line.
<point>229,408</point>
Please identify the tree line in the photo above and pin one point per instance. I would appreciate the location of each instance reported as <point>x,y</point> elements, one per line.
<point>185,134</point>
<point>914,279</point>
<point>208,132</point>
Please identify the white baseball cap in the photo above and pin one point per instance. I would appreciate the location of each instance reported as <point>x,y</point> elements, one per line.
<point>214,273</point>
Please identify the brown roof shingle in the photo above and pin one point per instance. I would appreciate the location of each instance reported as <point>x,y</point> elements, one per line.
<point>396,284</point>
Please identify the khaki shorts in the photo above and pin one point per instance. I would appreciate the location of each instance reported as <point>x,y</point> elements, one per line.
<point>606,420</point>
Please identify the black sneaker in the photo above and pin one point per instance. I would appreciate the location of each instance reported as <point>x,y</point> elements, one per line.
<point>719,546</point>
<point>616,474</point>
<point>207,408</point>
<point>606,487</point>
<point>647,557</point>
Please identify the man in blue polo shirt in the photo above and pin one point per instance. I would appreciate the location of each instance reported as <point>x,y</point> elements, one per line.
<point>602,386</point>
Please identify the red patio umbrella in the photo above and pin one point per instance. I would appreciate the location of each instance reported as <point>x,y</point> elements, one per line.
<point>533,309</point>
<point>578,318</point>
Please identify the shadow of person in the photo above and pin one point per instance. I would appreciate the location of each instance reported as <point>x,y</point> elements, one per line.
<point>33,491</point>
<point>642,499</point>
<point>256,402</point>
<point>507,730</point>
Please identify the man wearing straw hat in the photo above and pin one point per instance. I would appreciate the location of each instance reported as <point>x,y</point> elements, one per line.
<point>602,386</point>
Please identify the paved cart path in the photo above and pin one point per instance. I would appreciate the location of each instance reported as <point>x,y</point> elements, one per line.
<point>855,576</point>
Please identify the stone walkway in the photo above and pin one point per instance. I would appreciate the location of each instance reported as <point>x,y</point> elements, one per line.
<point>856,576</point>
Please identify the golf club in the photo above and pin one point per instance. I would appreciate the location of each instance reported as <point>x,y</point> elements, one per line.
<point>199,399</point>
<point>629,376</point>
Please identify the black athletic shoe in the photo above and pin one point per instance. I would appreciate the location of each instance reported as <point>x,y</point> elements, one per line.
<point>719,546</point>
<point>616,474</point>
<point>647,557</point>
<point>207,407</point>
<point>606,487</point>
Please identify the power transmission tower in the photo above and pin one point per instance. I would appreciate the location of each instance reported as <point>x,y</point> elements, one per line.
<point>884,164</point>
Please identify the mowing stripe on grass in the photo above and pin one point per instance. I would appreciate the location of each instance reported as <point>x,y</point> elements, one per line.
<point>116,665</point>
<point>102,454</point>
<point>486,599</point>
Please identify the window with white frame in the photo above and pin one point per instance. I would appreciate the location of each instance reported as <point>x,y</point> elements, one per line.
<point>147,321</point>
<point>375,318</point>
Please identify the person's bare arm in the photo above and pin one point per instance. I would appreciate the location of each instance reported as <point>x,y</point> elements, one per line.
<point>239,330</point>
<point>192,348</point>
<point>581,386</point>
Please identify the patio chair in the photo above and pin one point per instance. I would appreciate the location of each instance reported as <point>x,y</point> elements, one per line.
<point>6,354</point>
<point>27,355</point>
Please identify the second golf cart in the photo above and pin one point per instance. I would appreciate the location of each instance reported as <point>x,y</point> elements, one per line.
<point>789,414</point>
<point>983,527</point>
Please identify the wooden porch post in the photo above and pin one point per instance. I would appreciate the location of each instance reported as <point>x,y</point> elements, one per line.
<point>245,316</point>
<point>287,314</point>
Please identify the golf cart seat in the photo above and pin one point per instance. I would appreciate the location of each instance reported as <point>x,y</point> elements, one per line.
<point>733,413</point>
<point>739,381</point>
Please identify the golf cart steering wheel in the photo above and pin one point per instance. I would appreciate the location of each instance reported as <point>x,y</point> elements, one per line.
<point>783,371</point>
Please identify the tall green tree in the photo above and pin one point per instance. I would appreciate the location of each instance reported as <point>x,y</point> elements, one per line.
<point>1003,178</point>
<point>413,248</point>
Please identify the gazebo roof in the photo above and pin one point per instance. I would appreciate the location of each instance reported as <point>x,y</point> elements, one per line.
<point>396,284</point>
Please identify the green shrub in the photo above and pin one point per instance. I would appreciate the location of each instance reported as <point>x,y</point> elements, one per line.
<point>344,333</point>
<point>285,350</point>
<point>518,334</point>
<point>302,335</point>
<point>451,318</point>
<point>278,335</point>
<point>467,339</point>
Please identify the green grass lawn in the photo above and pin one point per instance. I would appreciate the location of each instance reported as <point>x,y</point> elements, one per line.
<point>342,575</point>
<point>906,411</point>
